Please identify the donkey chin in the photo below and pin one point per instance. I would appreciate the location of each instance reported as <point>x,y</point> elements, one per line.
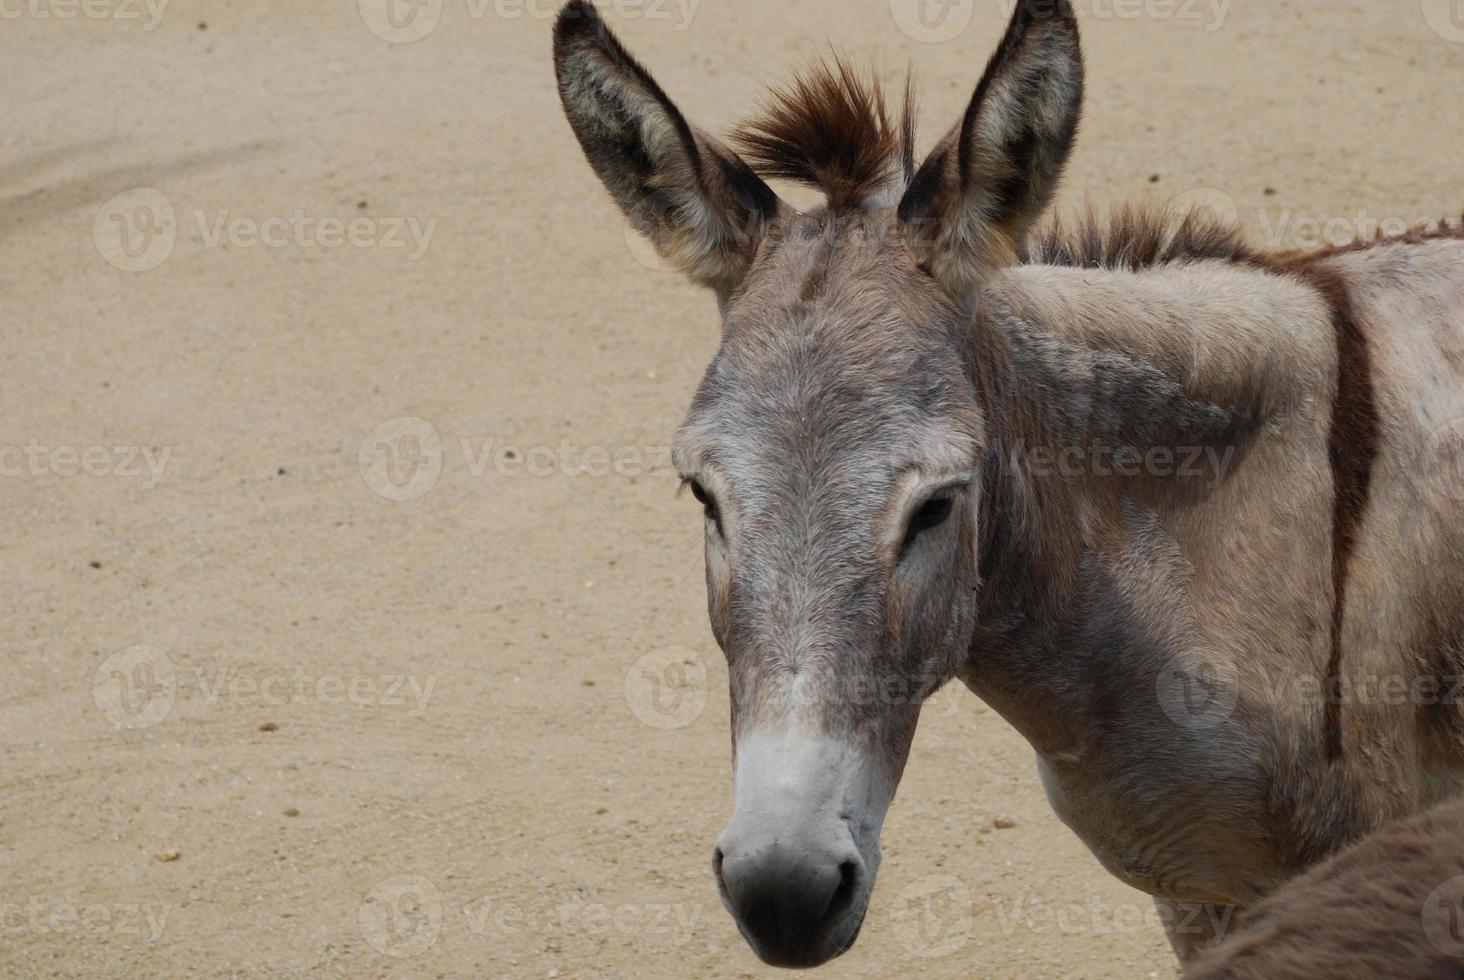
<point>796,864</point>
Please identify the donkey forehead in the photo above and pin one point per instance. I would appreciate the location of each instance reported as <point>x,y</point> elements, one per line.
<point>831,257</point>
<point>840,358</point>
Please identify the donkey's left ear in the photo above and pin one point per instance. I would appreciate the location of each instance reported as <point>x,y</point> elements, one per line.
<point>700,205</point>
<point>978,193</point>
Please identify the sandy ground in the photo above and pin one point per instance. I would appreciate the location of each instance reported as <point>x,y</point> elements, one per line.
<point>334,647</point>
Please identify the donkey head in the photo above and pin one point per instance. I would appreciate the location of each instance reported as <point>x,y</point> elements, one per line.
<point>837,441</point>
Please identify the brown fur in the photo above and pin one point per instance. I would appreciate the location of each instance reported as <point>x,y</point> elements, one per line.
<point>1134,238</point>
<point>832,130</point>
<point>1372,911</point>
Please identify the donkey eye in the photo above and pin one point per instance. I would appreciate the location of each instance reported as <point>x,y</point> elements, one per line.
<point>708,504</point>
<point>932,514</point>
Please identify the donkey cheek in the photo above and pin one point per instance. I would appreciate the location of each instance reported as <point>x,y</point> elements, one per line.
<point>719,595</point>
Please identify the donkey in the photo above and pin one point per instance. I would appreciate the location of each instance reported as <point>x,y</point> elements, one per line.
<point>1168,504</point>
<point>1390,906</point>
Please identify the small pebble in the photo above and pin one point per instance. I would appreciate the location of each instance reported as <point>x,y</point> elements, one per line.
<point>1003,823</point>
<point>1153,178</point>
<point>168,857</point>
<point>292,812</point>
<point>95,564</point>
<point>269,726</point>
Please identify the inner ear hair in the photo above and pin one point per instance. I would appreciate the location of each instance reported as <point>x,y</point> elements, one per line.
<point>1020,126</point>
<point>702,207</point>
<point>984,185</point>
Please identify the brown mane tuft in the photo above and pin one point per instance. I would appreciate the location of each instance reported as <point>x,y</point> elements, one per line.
<point>833,130</point>
<point>1135,238</point>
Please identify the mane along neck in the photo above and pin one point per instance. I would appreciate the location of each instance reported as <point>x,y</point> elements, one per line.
<point>1134,238</point>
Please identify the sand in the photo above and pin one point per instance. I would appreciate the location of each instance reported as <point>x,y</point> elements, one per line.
<point>355,628</point>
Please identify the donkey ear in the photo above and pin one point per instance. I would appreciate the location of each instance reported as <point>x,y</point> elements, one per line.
<point>701,206</point>
<point>976,196</point>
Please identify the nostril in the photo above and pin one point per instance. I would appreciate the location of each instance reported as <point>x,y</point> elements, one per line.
<point>789,896</point>
<point>845,894</point>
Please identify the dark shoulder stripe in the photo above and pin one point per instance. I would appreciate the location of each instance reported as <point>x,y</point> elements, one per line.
<point>1352,445</point>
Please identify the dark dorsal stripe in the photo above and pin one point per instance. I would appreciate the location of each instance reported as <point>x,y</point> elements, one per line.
<point>1352,445</point>
<point>1135,237</point>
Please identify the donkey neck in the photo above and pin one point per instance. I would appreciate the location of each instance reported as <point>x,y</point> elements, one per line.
<point>1117,400</point>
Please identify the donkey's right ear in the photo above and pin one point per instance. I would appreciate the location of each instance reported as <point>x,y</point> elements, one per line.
<point>701,206</point>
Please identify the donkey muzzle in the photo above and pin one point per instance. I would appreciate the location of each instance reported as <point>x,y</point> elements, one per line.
<point>798,904</point>
<point>796,865</point>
